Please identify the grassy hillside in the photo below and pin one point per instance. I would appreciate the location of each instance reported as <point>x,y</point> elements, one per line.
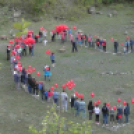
<point>19,109</point>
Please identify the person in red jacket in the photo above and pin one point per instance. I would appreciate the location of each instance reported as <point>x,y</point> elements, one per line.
<point>104,45</point>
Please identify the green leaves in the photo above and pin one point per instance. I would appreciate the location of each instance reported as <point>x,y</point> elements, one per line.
<point>21,27</point>
<point>53,123</point>
<point>17,25</point>
<point>25,25</point>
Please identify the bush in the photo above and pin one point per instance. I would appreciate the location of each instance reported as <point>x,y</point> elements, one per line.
<point>53,123</point>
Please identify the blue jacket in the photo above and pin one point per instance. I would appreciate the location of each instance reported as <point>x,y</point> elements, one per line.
<point>100,42</point>
<point>131,42</point>
<point>119,111</point>
<point>52,57</point>
<point>69,31</point>
<point>55,95</point>
<point>76,105</point>
<point>82,105</point>
<point>127,44</point>
<point>47,73</point>
<point>127,110</point>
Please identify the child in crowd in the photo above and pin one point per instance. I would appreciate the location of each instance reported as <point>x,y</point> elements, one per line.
<point>97,112</point>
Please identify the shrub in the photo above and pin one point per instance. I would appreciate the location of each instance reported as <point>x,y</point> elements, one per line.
<point>53,123</point>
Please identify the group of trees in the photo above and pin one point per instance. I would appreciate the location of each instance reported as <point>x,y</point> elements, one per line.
<point>40,6</point>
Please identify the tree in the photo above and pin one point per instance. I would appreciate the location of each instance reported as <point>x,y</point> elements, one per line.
<point>21,27</point>
<point>53,123</point>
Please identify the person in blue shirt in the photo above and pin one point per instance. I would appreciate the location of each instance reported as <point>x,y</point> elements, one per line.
<point>52,57</point>
<point>47,72</point>
<point>56,97</point>
<point>126,112</point>
<point>127,45</point>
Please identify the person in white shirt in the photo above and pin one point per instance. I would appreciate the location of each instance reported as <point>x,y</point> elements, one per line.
<point>45,34</point>
<point>97,112</point>
<point>45,42</point>
<point>64,98</point>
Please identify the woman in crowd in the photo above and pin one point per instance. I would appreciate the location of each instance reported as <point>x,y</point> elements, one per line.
<point>90,109</point>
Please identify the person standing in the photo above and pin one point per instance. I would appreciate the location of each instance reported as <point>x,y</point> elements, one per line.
<point>52,57</point>
<point>131,44</point>
<point>127,44</point>
<point>119,114</point>
<point>116,44</point>
<point>126,113</point>
<point>111,112</point>
<point>90,40</point>
<point>86,41</point>
<point>72,100</point>
<point>104,45</point>
<point>62,37</point>
<point>16,80</point>
<point>40,36</point>
<point>105,112</point>
<point>45,34</point>
<point>76,106</point>
<point>97,112</point>
<point>74,46</point>
<point>97,42</point>
<point>23,74</point>
<point>82,108</point>
<point>47,73</point>
<point>42,89</point>
<point>64,98</point>
<point>101,43</point>
<point>8,52</point>
<point>90,109</point>
<point>56,97</point>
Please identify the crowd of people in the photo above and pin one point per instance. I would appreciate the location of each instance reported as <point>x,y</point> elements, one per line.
<point>23,78</point>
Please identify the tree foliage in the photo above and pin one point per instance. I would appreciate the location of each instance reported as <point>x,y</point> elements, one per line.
<point>55,124</point>
<point>21,27</point>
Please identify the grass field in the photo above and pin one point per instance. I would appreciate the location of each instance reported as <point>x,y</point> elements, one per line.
<point>18,109</point>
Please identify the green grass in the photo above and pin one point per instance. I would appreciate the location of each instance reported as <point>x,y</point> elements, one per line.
<point>19,109</point>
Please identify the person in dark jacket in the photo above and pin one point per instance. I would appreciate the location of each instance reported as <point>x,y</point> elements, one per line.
<point>131,45</point>
<point>72,101</point>
<point>74,46</point>
<point>76,106</point>
<point>105,114</point>
<point>23,75</point>
<point>40,36</point>
<point>33,85</point>
<point>29,83</point>
<point>24,51</point>
<point>53,37</point>
<point>90,109</point>
<point>116,44</point>
<point>119,114</point>
<point>8,52</point>
<point>126,112</point>
<point>42,89</point>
